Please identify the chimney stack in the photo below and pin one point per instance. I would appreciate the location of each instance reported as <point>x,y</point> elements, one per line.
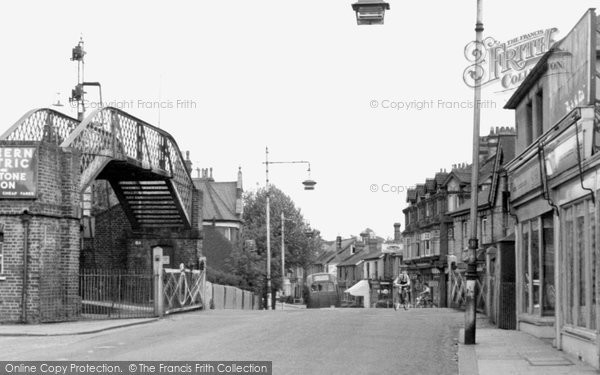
<point>188,162</point>
<point>364,236</point>
<point>338,243</point>
<point>397,232</point>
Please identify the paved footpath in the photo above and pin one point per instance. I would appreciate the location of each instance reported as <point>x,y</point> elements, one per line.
<point>69,328</point>
<point>507,352</point>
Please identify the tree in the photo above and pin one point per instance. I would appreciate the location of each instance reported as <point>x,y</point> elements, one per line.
<point>300,245</point>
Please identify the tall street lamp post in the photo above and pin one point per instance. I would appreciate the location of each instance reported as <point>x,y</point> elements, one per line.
<point>471,288</point>
<point>371,12</point>
<point>308,185</point>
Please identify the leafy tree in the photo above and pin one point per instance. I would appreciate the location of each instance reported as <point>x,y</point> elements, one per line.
<point>301,244</point>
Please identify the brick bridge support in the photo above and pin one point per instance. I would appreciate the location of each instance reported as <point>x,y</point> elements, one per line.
<point>41,239</point>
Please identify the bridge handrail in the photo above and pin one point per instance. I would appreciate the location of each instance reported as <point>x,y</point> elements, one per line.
<point>41,124</point>
<point>111,132</point>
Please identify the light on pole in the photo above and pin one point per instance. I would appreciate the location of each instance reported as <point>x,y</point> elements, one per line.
<point>471,288</point>
<point>308,185</point>
<point>282,253</point>
<point>370,12</point>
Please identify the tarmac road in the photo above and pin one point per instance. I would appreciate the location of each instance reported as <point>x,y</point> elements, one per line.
<point>323,341</point>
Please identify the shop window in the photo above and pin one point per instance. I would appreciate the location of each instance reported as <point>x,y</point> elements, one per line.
<point>579,264</point>
<point>526,271</point>
<point>537,254</point>
<point>569,271</point>
<point>534,253</point>
<point>549,291</point>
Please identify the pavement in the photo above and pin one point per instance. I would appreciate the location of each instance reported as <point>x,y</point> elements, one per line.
<point>69,328</point>
<point>507,352</point>
<point>90,326</point>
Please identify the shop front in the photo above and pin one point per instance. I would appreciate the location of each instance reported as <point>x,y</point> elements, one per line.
<point>554,188</point>
<point>381,293</point>
<point>575,183</point>
<point>422,274</point>
<point>534,242</point>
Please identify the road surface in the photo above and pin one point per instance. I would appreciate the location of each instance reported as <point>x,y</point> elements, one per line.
<point>320,341</point>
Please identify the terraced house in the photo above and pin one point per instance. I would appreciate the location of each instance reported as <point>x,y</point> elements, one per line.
<point>426,236</point>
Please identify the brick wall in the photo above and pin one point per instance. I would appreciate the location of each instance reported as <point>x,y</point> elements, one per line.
<point>117,245</point>
<point>53,241</point>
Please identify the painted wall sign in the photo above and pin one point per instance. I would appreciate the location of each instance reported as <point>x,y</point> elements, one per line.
<point>576,53</point>
<point>18,172</point>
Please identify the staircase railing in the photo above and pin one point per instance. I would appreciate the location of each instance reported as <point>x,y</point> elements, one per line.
<point>110,134</point>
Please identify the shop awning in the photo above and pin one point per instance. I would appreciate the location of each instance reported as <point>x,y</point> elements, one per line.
<point>361,288</point>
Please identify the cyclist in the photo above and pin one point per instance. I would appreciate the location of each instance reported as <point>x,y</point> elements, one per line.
<point>425,295</point>
<point>403,284</point>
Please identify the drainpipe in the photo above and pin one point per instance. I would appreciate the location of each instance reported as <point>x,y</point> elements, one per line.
<point>25,218</point>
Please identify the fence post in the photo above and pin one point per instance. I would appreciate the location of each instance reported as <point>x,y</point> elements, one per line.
<point>157,263</point>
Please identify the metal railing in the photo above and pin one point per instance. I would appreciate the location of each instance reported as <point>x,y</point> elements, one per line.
<point>110,134</point>
<point>108,293</point>
<point>42,124</point>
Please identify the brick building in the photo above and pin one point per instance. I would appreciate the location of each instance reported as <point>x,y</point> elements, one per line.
<point>39,253</point>
<point>426,236</point>
<point>74,194</point>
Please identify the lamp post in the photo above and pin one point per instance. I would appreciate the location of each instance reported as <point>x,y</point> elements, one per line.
<point>308,185</point>
<point>282,253</point>
<point>471,288</point>
<point>370,12</point>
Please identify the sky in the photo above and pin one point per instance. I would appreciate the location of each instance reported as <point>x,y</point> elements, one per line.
<point>375,109</point>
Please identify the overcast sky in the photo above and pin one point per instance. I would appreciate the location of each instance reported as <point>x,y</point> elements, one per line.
<point>298,77</point>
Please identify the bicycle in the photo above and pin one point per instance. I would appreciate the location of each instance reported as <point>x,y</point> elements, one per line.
<point>404,299</point>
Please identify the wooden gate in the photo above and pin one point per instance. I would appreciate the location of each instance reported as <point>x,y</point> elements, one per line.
<point>458,283</point>
<point>184,289</point>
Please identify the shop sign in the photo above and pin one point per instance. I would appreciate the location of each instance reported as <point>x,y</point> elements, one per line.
<point>18,172</point>
<point>433,283</point>
<point>561,154</point>
<point>525,178</point>
<point>391,249</point>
